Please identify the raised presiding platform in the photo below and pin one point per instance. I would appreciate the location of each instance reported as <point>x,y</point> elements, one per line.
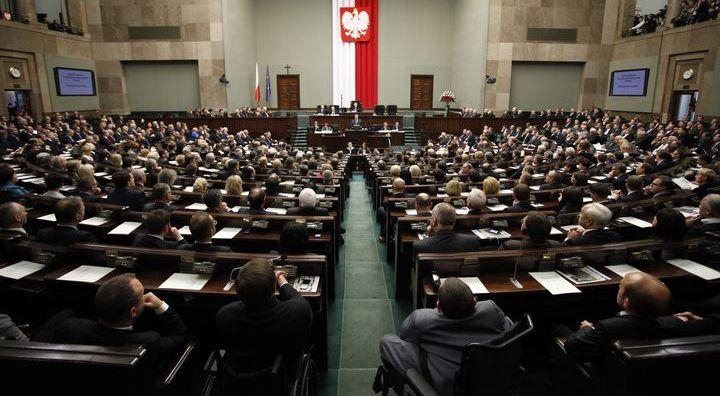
<point>339,141</point>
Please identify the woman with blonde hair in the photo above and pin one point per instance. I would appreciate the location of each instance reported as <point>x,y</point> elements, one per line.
<point>415,171</point>
<point>200,185</point>
<point>453,188</point>
<point>233,185</point>
<point>116,160</point>
<point>86,170</point>
<point>491,186</point>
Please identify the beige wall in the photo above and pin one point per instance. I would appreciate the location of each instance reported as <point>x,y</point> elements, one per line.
<point>535,85</point>
<point>470,52</point>
<point>201,40</point>
<point>69,103</point>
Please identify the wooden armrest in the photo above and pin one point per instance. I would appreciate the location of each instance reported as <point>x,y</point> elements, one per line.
<point>419,384</point>
<point>169,377</point>
<point>580,367</point>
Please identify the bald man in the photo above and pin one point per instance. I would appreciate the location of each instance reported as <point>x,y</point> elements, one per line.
<point>642,298</point>
<point>398,191</point>
<point>12,219</point>
<point>441,235</point>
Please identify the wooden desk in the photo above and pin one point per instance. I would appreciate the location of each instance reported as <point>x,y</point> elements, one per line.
<point>342,122</point>
<point>278,126</point>
<point>431,127</point>
<point>338,142</point>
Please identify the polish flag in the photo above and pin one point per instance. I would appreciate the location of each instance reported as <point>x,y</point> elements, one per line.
<point>257,85</point>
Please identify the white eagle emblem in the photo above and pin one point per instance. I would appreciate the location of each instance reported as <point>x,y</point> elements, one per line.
<point>355,23</point>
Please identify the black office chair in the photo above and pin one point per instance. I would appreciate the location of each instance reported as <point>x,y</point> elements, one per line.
<point>359,105</point>
<point>259,375</point>
<point>489,369</point>
<point>379,110</point>
<point>391,110</point>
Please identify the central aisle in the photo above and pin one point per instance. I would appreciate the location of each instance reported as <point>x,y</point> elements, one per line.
<point>363,310</point>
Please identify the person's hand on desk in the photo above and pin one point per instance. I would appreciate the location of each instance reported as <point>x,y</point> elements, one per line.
<point>587,325</point>
<point>223,207</point>
<point>687,316</point>
<point>175,234</point>
<point>692,221</point>
<point>280,278</point>
<point>574,233</point>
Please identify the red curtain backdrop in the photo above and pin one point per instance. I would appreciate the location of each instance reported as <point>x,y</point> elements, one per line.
<point>366,60</point>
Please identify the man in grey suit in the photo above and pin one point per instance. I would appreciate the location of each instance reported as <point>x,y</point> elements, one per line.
<point>441,237</point>
<point>439,336</point>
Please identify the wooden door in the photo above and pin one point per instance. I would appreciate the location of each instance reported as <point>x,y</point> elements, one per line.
<point>288,88</point>
<point>421,91</point>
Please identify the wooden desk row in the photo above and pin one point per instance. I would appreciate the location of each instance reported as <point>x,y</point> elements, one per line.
<point>278,126</point>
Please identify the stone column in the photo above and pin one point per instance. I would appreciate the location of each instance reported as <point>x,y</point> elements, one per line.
<point>27,8</point>
<point>673,7</point>
<point>628,12</point>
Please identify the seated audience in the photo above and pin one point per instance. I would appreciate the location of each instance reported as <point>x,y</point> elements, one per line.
<point>634,187</point>
<point>521,199</point>
<point>213,199</point>
<point>69,212</point>
<point>261,323</point>
<point>157,228</point>
<point>669,225</point>
<point>571,200</point>
<point>705,179</point>
<point>599,192</point>
<point>162,197</point>
<point>661,186</point>
<point>88,189</point>
<point>12,219</point>
<point>553,181</point>
<point>256,200</point>
<point>200,185</point>
<point>535,229</point>
<point>53,183</point>
<point>125,193</point>
<point>307,205</point>
<point>476,201</point>
<point>641,299</point>
<point>442,333</point>
<point>441,236</point>
<point>294,239</point>
<point>593,219</point>
<point>8,178</point>
<point>423,204</point>
<point>119,304</point>
<point>453,188</point>
<point>202,228</point>
<point>708,219</point>
<point>233,185</point>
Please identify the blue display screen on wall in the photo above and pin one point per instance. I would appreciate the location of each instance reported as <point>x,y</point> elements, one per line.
<point>74,82</point>
<point>629,82</point>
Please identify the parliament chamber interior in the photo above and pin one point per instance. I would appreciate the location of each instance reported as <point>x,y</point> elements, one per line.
<point>359,197</point>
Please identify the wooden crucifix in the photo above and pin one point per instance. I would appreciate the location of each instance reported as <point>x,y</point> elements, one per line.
<point>287,69</point>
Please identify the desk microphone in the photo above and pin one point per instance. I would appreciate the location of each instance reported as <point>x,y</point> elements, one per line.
<point>514,280</point>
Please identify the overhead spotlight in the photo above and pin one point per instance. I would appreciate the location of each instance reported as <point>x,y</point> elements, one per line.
<point>489,79</point>
<point>223,80</point>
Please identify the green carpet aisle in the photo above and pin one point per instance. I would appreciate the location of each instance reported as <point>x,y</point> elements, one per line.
<point>363,310</point>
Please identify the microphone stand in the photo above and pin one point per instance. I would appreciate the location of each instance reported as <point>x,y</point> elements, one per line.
<point>514,280</point>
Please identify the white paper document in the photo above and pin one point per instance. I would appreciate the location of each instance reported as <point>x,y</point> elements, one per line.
<point>94,221</point>
<point>185,281</point>
<point>86,273</point>
<point>689,211</point>
<point>125,228</point>
<point>555,231</point>
<point>636,222</point>
<point>49,217</point>
<point>287,195</point>
<point>188,189</point>
<point>411,212</point>
<point>185,231</point>
<point>696,269</point>
<point>684,183</point>
<point>21,269</point>
<point>622,269</point>
<point>490,233</point>
<point>227,233</point>
<point>462,211</point>
<point>196,206</point>
<point>497,208</point>
<point>587,199</point>
<point>554,282</point>
<point>474,283</point>
<point>536,188</point>
<point>498,170</point>
<point>506,191</point>
<point>571,226</point>
<point>279,211</point>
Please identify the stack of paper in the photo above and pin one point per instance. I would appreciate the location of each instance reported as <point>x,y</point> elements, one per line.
<point>49,217</point>
<point>422,235</point>
<point>286,195</point>
<point>554,283</point>
<point>462,211</point>
<point>185,281</point>
<point>95,221</point>
<point>536,188</point>
<point>497,208</point>
<point>21,269</point>
<point>571,226</point>
<point>689,211</point>
<point>280,211</point>
<point>506,191</point>
<point>196,206</point>
<point>684,183</point>
<point>485,233</point>
<point>411,212</point>
<point>474,283</point>
<point>125,228</point>
<point>86,273</point>
<point>587,199</point>
<point>696,269</point>
<point>622,269</point>
<point>636,222</point>
<point>185,231</point>
<point>227,233</point>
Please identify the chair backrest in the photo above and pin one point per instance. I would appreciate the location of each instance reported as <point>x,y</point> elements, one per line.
<point>252,374</point>
<point>379,109</point>
<point>492,368</point>
<point>391,109</point>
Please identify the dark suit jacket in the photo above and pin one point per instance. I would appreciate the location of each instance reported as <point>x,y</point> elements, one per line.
<point>595,237</point>
<point>127,197</point>
<point>145,240</point>
<point>204,247</point>
<point>150,206</point>
<point>88,197</point>
<point>163,342</point>
<point>701,228</point>
<point>632,197</point>
<point>63,236</point>
<point>522,206</point>
<point>447,241</point>
<point>591,345</point>
<point>298,211</point>
<point>516,244</point>
<point>282,325</point>
<point>675,327</point>
<point>552,186</point>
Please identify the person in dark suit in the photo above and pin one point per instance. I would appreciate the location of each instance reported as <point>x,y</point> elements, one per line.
<point>161,199</point>
<point>594,217</point>
<point>705,179</point>
<point>262,323</point>
<point>634,187</point>
<point>553,180</point>
<point>521,198</point>
<point>661,186</point>
<point>356,123</point>
<point>202,227</point>
<point>398,191</point>
<point>256,201</point>
<point>663,161</point>
<point>307,201</point>
<point>709,218</point>
<point>213,199</point>
<point>536,233</point>
<point>618,175</point>
<point>600,193</point>
<point>68,213</point>
<point>88,189</point>
<point>12,219</point>
<point>441,236</point>
<point>641,299</point>
<point>571,200</point>
<point>442,333</point>
<point>294,238</point>
<point>120,303</point>
<point>125,193</point>
<point>157,227</point>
